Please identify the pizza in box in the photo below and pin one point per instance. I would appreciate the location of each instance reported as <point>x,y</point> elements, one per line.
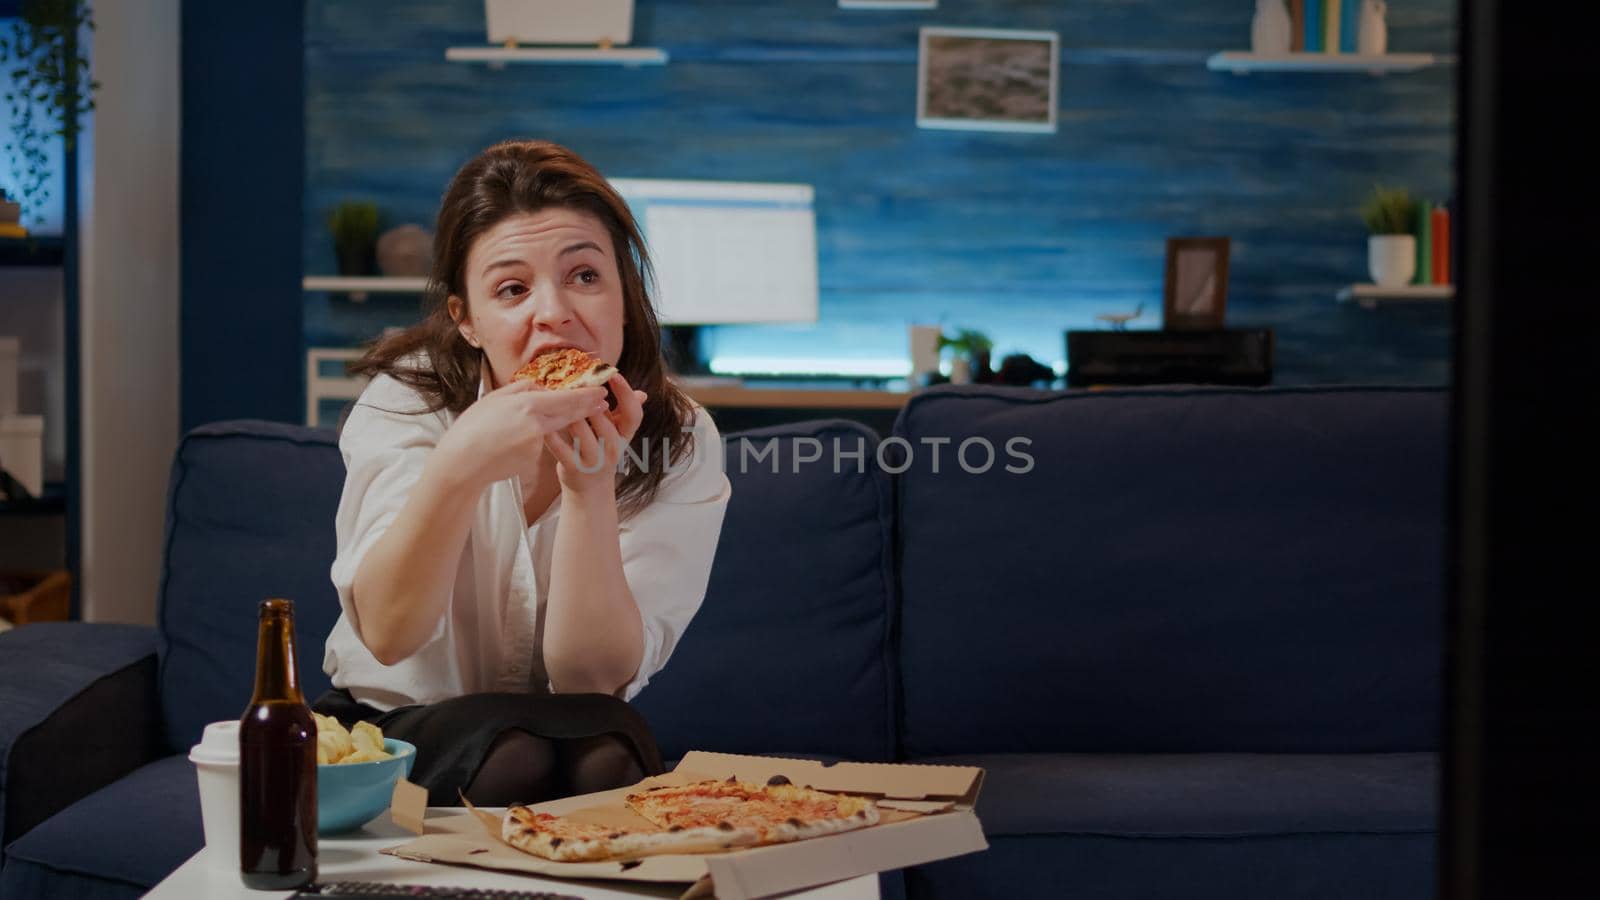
<point>701,817</point>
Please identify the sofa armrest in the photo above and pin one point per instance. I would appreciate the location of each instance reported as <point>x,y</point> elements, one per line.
<point>78,710</point>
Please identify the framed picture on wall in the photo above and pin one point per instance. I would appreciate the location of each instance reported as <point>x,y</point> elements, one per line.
<point>1196,283</point>
<point>987,79</point>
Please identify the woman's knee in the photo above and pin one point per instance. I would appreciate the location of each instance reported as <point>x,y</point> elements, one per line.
<point>518,768</point>
<point>599,763</point>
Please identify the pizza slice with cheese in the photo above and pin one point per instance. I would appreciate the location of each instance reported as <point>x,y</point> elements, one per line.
<point>703,817</point>
<point>778,811</point>
<point>565,368</point>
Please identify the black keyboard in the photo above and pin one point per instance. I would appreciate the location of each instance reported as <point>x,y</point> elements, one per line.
<point>371,890</point>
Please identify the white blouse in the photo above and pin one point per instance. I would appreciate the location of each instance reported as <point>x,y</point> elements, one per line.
<point>492,636</point>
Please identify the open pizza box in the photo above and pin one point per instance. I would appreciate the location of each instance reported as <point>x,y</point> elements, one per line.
<point>925,814</point>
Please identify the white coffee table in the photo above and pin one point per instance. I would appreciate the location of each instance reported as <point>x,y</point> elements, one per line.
<point>355,857</point>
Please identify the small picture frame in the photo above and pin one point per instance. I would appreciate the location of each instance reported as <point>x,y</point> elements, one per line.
<point>988,79</point>
<point>1196,284</point>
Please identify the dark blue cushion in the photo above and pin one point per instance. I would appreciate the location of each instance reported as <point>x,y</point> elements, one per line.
<point>1286,867</point>
<point>791,647</point>
<point>117,842</point>
<point>249,516</point>
<point>1204,794</point>
<point>72,687</point>
<point>1181,570</point>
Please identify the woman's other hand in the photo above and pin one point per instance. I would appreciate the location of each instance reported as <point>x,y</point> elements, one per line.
<point>589,451</point>
<point>499,435</point>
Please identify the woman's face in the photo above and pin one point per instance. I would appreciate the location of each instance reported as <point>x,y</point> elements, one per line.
<point>541,280</point>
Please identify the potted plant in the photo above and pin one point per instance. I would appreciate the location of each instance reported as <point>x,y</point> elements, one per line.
<point>1391,247</point>
<point>47,90</point>
<point>970,361</point>
<point>354,225</point>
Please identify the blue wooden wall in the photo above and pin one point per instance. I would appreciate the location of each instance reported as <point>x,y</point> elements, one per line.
<point>1021,235</point>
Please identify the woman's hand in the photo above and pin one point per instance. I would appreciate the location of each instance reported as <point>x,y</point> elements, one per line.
<point>588,451</point>
<point>498,436</point>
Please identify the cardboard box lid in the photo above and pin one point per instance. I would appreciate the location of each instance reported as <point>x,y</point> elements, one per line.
<point>929,817</point>
<point>891,781</point>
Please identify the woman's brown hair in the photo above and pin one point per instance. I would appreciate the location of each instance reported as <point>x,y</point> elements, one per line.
<point>507,179</point>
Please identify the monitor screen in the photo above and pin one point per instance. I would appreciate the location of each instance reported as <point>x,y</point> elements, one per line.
<point>728,252</point>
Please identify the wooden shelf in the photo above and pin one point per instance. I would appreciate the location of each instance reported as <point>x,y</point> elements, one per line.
<point>1243,63</point>
<point>498,56</point>
<point>364,286</point>
<point>31,252</point>
<point>1369,296</point>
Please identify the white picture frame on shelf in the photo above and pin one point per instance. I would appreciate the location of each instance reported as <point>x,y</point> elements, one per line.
<point>559,22</point>
<point>888,4</point>
<point>988,79</point>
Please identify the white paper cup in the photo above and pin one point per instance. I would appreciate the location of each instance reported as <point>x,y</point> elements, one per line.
<point>216,764</point>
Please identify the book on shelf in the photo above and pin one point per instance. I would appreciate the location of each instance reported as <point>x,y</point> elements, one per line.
<point>1451,266</point>
<point>1297,26</point>
<point>1424,227</point>
<point>1314,23</point>
<point>1330,30</point>
<point>1439,237</point>
<point>1350,27</point>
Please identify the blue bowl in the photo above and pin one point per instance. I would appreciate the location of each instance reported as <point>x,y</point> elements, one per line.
<point>351,795</point>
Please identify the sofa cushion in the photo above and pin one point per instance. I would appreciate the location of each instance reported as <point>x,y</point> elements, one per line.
<point>1204,794</point>
<point>1179,570</point>
<point>117,842</point>
<point>249,516</point>
<point>791,646</point>
<point>72,688</point>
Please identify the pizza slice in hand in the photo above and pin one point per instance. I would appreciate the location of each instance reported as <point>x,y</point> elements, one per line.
<point>566,368</point>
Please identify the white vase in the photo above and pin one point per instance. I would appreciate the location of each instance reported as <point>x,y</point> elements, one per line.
<point>924,341</point>
<point>1392,259</point>
<point>1271,30</point>
<point>1372,39</point>
<point>960,370</point>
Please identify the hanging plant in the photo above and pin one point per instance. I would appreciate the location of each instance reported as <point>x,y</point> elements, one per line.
<point>47,88</point>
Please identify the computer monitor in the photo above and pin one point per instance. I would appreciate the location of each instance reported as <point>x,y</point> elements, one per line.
<point>726,253</point>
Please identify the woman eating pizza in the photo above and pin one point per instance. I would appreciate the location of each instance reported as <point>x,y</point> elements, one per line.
<point>517,556</point>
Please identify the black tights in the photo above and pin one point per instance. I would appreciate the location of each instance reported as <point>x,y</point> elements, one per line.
<point>524,768</point>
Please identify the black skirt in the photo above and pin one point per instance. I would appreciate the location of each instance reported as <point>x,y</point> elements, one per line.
<point>453,736</point>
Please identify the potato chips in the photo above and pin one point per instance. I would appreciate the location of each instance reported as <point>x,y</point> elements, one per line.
<point>336,746</point>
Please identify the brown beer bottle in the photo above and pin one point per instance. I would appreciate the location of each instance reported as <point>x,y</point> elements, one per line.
<point>277,765</point>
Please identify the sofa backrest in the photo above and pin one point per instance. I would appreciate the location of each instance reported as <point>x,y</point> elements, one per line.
<point>790,651</point>
<point>1180,570</point>
<point>249,516</point>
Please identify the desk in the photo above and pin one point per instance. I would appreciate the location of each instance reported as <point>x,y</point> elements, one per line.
<point>740,408</point>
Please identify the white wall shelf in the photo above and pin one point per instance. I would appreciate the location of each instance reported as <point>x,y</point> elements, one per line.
<point>499,56</point>
<point>1243,63</point>
<point>369,285</point>
<point>359,288</point>
<point>321,386</point>
<point>1369,296</point>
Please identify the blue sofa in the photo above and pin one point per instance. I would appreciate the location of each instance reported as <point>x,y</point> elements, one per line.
<point>1196,646</point>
